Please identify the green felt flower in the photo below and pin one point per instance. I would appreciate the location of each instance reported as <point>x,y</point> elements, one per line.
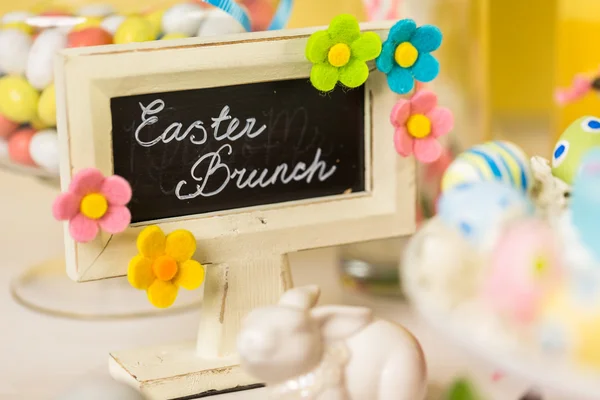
<point>340,53</point>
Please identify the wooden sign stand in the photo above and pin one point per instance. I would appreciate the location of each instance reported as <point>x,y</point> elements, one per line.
<point>244,249</point>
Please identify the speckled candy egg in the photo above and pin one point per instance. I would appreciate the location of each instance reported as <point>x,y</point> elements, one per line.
<point>40,66</point>
<point>525,265</point>
<point>492,161</point>
<point>18,99</point>
<point>576,140</point>
<point>43,149</point>
<point>479,209</point>
<point>7,126</point>
<point>112,23</point>
<point>134,29</point>
<point>217,22</point>
<point>94,36</point>
<point>183,18</point>
<point>18,146</point>
<point>14,51</point>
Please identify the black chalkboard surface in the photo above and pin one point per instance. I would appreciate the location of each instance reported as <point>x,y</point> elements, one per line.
<point>198,151</point>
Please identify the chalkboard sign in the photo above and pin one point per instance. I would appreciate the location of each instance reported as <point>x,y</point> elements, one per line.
<point>205,150</point>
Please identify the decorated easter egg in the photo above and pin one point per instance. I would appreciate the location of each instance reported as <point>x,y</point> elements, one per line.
<point>134,29</point>
<point>18,99</point>
<point>96,10</point>
<point>14,51</point>
<point>18,20</point>
<point>94,36</point>
<point>218,22</point>
<point>478,210</point>
<point>183,18</point>
<point>18,146</point>
<point>575,141</point>
<point>47,106</point>
<point>525,266</point>
<point>43,149</point>
<point>40,66</point>
<point>7,126</point>
<point>492,161</point>
<point>111,23</point>
<point>3,149</point>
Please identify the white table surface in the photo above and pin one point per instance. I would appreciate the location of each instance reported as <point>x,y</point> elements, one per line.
<point>40,356</point>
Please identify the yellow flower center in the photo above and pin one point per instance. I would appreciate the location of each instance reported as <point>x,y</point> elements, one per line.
<point>94,206</point>
<point>419,126</point>
<point>164,268</point>
<point>540,265</point>
<point>406,55</point>
<point>339,55</point>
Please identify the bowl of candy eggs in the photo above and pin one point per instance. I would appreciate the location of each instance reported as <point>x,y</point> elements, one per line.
<point>510,265</point>
<point>29,40</point>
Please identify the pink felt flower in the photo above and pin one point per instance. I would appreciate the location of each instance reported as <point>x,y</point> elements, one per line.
<point>93,202</point>
<point>419,122</point>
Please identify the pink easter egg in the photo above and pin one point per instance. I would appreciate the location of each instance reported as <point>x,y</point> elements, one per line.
<point>261,12</point>
<point>525,266</point>
<point>18,146</point>
<point>7,126</point>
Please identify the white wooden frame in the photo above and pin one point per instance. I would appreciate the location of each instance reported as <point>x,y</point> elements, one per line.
<point>245,249</point>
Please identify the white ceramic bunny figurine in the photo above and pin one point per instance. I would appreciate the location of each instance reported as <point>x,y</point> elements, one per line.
<point>330,352</point>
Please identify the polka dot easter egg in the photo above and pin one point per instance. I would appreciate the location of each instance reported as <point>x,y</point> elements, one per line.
<point>479,210</point>
<point>576,140</point>
<point>525,265</point>
<point>492,161</point>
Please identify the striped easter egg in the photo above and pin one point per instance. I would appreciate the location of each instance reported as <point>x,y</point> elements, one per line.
<point>497,160</point>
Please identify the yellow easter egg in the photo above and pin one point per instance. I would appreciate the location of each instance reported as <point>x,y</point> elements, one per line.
<point>155,19</point>
<point>47,106</point>
<point>90,22</point>
<point>134,29</point>
<point>171,36</point>
<point>38,124</point>
<point>20,25</point>
<point>18,99</point>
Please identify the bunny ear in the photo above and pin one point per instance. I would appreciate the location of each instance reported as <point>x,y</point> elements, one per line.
<point>303,298</point>
<point>341,322</point>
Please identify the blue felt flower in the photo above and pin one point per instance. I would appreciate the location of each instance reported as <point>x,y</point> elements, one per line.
<point>406,55</point>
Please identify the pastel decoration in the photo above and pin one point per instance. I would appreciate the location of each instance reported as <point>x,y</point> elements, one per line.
<point>492,161</point>
<point>134,29</point>
<point>40,65</point>
<point>164,264</point>
<point>575,141</point>
<point>93,202</point>
<point>217,22</point>
<point>18,20</point>
<point>340,54</point>
<point>3,149</point>
<point>93,36</point>
<point>7,127</point>
<point>18,99</point>
<point>478,210</point>
<point>47,106</point>
<point>585,202</point>
<point>580,87</point>
<point>96,10</point>
<point>14,51</point>
<point>111,23</point>
<point>406,55</point>
<point>18,146</point>
<point>419,122</point>
<point>43,150</point>
<point>183,18</point>
<point>525,266</point>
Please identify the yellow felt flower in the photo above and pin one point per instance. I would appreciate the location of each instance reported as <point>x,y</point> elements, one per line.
<point>164,264</point>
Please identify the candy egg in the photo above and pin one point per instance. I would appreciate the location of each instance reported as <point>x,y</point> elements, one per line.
<point>89,22</point>
<point>43,149</point>
<point>262,14</point>
<point>38,124</point>
<point>172,36</point>
<point>183,18</point>
<point>525,266</point>
<point>479,210</point>
<point>47,106</point>
<point>134,29</point>
<point>14,51</point>
<point>111,23</point>
<point>40,66</point>
<point>89,37</point>
<point>492,161</point>
<point>18,146</point>
<point>218,22</point>
<point>3,149</point>
<point>7,126</point>
<point>575,141</point>
<point>18,99</point>
<point>96,10</point>
<point>155,18</point>
<point>18,20</point>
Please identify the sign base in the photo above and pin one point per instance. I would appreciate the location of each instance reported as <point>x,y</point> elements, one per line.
<point>178,372</point>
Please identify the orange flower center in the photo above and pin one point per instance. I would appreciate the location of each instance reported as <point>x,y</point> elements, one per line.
<point>165,268</point>
<point>419,126</point>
